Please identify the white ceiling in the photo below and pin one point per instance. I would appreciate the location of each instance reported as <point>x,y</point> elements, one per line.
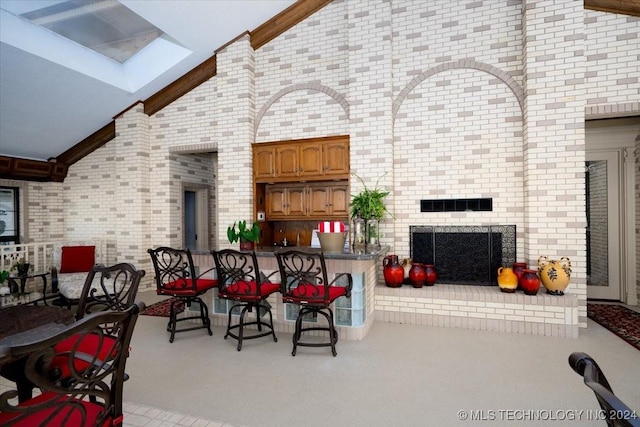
<point>54,93</point>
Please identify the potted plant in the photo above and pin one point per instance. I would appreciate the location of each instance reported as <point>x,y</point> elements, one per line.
<point>248,237</point>
<point>22,267</point>
<point>368,204</point>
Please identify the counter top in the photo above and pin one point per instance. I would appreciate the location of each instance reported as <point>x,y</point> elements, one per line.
<point>350,254</point>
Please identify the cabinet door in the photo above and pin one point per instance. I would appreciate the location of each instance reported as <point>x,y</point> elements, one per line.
<point>319,201</point>
<point>264,162</point>
<point>287,161</point>
<point>339,200</point>
<point>336,158</point>
<point>311,163</point>
<point>276,202</point>
<point>296,201</point>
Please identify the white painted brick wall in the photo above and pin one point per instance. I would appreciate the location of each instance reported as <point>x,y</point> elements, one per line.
<point>449,99</point>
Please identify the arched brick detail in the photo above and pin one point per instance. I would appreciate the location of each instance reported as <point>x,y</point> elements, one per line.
<point>302,86</point>
<point>460,64</point>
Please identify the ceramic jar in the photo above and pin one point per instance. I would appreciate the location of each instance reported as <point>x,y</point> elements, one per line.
<point>431,274</point>
<point>406,264</point>
<point>392,271</point>
<point>554,274</point>
<point>529,282</point>
<point>507,280</point>
<point>417,275</point>
<point>518,268</point>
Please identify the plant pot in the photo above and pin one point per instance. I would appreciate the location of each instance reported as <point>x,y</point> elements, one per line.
<point>247,245</point>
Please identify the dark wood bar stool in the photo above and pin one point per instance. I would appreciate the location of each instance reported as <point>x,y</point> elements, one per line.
<point>240,280</point>
<point>304,282</point>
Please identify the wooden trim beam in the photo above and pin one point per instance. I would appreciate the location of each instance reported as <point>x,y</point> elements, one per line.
<point>32,170</point>
<point>88,145</point>
<point>183,85</point>
<point>624,7</point>
<point>294,14</point>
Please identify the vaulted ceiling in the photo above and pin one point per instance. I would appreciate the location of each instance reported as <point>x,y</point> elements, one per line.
<point>58,98</point>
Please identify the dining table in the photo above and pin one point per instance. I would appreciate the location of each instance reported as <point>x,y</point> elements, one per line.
<point>22,324</point>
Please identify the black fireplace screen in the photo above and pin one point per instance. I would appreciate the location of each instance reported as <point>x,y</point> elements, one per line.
<point>466,255</point>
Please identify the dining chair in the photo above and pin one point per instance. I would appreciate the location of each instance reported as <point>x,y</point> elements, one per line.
<point>304,282</point>
<point>94,397</point>
<point>616,413</point>
<point>175,276</point>
<point>112,288</point>
<point>240,281</point>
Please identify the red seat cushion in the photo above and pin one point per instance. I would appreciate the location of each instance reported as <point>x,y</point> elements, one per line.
<point>83,413</point>
<point>185,288</point>
<point>248,290</point>
<point>308,292</point>
<point>88,345</point>
<point>77,259</point>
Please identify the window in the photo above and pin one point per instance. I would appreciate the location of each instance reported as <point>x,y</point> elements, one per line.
<point>9,216</point>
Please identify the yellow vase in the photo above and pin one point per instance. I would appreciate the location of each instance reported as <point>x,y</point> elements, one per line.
<point>554,274</point>
<point>507,279</point>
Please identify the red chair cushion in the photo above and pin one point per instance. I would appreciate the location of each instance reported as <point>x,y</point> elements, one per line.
<point>182,288</point>
<point>75,414</point>
<point>308,292</point>
<point>248,290</point>
<point>77,259</point>
<point>88,345</point>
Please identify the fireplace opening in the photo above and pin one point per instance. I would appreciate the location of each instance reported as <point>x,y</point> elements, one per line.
<point>466,255</point>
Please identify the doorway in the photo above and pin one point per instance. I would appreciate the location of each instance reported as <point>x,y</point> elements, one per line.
<point>195,221</point>
<point>602,185</point>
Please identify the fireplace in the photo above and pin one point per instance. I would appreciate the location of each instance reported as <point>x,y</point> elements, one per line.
<point>465,255</point>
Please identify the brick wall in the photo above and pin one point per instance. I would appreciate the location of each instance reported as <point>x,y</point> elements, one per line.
<point>441,99</point>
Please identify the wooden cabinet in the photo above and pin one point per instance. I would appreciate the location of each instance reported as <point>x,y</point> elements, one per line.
<point>264,161</point>
<point>313,159</point>
<point>313,201</point>
<point>286,201</point>
<point>328,200</point>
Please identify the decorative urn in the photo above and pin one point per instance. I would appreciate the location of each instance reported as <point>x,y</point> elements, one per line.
<point>392,271</point>
<point>554,274</point>
<point>507,280</point>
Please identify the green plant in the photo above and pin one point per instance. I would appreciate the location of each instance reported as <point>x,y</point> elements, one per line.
<point>22,267</point>
<point>369,202</point>
<point>239,231</point>
<point>4,275</point>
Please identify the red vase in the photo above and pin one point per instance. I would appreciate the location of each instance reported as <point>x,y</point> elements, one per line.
<point>392,270</point>
<point>518,268</point>
<point>530,282</point>
<point>431,274</point>
<point>417,275</point>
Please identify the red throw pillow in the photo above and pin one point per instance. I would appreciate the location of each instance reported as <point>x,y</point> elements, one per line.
<point>77,259</point>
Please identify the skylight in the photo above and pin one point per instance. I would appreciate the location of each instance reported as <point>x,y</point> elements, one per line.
<point>105,26</point>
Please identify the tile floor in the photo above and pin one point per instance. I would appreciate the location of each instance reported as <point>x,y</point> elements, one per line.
<point>136,415</point>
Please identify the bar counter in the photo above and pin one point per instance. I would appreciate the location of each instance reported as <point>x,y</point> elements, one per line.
<point>353,316</point>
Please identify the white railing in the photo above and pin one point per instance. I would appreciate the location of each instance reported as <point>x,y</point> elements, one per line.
<point>40,255</point>
<point>37,254</point>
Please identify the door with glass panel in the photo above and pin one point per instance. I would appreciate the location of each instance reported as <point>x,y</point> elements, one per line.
<point>602,181</point>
